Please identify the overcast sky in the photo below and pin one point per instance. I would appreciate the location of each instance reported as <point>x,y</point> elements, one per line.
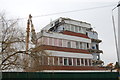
<point>99,18</point>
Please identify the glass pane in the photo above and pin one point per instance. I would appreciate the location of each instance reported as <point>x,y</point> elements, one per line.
<point>70,61</point>
<point>65,61</point>
<point>78,61</point>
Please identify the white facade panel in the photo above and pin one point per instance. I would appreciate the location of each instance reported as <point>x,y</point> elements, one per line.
<point>69,54</point>
<point>68,37</point>
<point>79,23</point>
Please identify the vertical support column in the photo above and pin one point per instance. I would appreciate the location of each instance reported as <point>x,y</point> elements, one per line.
<point>67,61</point>
<point>88,62</point>
<point>48,60</point>
<point>83,62</point>
<point>72,61</point>
<point>58,61</point>
<point>63,61</point>
<point>53,60</point>
<point>76,61</point>
<point>80,61</point>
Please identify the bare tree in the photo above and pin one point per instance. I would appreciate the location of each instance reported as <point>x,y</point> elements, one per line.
<point>12,48</point>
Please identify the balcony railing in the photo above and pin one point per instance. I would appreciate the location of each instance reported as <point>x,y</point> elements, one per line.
<point>96,40</point>
<point>95,51</point>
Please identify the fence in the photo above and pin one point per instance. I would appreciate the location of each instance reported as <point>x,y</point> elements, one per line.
<point>60,75</point>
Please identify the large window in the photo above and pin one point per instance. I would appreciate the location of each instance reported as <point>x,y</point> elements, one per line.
<point>50,41</point>
<point>72,28</point>
<point>82,61</point>
<point>60,61</point>
<point>70,61</point>
<point>45,60</point>
<point>65,61</point>
<point>79,28</point>
<point>78,61</point>
<point>90,63</point>
<point>87,45</point>
<point>55,60</point>
<point>76,29</point>
<point>50,60</point>
<point>86,34</point>
<point>86,62</point>
<point>77,45</point>
<point>60,42</point>
<point>80,45</point>
<point>74,61</point>
<point>97,47</point>
<point>68,27</point>
<point>69,44</point>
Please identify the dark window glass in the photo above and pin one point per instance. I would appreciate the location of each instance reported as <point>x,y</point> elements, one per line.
<point>60,60</point>
<point>93,47</point>
<point>69,45</point>
<point>82,62</point>
<point>77,45</point>
<point>78,61</point>
<point>87,45</point>
<point>86,63</point>
<point>97,47</point>
<point>74,61</point>
<point>65,61</point>
<point>70,61</point>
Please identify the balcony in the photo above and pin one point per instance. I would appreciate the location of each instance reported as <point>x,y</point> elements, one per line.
<point>95,51</point>
<point>96,40</point>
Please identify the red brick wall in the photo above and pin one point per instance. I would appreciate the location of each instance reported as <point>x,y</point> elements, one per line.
<point>75,34</point>
<point>71,68</point>
<point>55,48</point>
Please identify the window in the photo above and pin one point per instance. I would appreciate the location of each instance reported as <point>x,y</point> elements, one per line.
<point>50,60</point>
<point>86,34</point>
<point>45,60</point>
<point>79,28</point>
<point>74,61</point>
<point>76,29</point>
<point>68,27</point>
<point>60,61</point>
<point>98,57</point>
<point>87,45</point>
<point>82,62</point>
<point>93,47</point>
<point>50,41</point>
<point>70,61</point>
<point>60,42</point>
<point>77,45</point>
<point>55,42</point>
<point>72,28</point>
<point>80,45</point>
<point>86,63</point>
<point>69,45</point>
<point>78,61</point>
<point>56,60</point>
<point>97,47</point>
<point>90,63</point>
<point>65,61</point>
